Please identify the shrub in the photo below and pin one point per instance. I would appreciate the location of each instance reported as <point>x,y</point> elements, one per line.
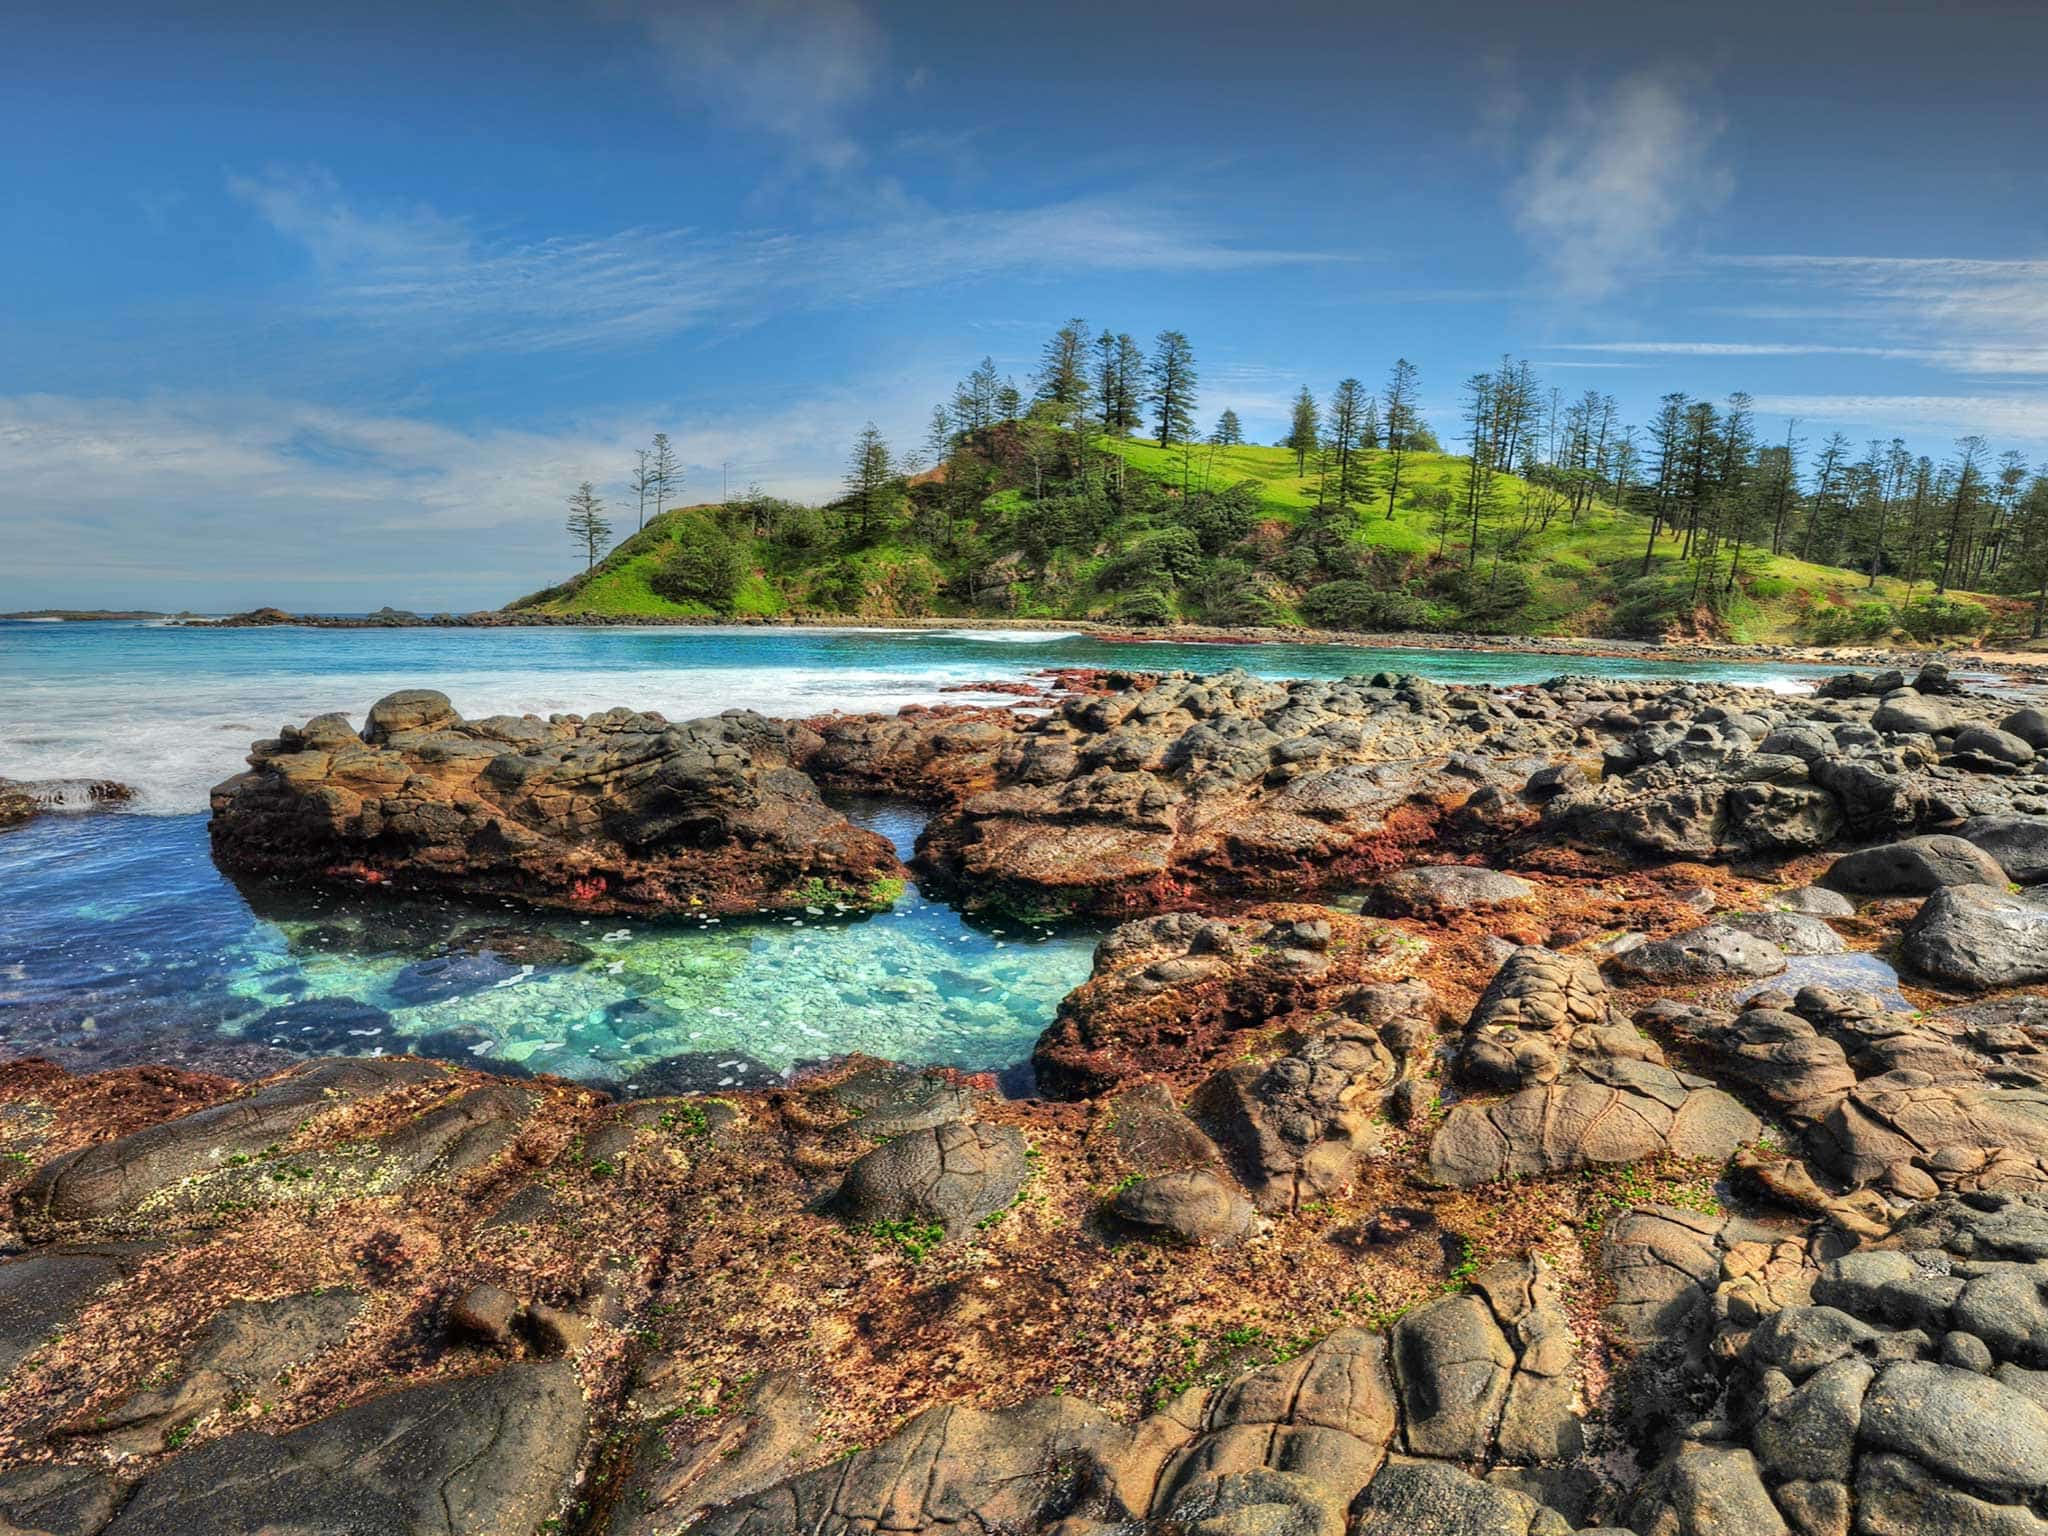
<point>1487,597</point>
<point>1147,605</point>
<point>1158,558</point>
<point>1219,519</point>
<point>1647,607</point>
<point>704,567</point>
<point>796,527</point>
<point>1361,605</point>
<point>1932,617</point>
<point>1231,592</point>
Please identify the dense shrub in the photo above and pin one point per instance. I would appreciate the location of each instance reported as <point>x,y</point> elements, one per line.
<point>1219,519</point>
<point>1934,617</point>
<point>1161,557</point>
<point>796,527</point>
<point>1870,620</point>
<point>704,567</point>
<point>1361,605</point>
<point>1146,605</point>
<point>1486,597</point>
<point>1231,592</point>
<point>1646,608</point>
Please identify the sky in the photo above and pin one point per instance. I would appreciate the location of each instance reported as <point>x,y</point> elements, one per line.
<point>332,307</point>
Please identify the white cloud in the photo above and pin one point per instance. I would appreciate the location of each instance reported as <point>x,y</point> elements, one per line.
<point>2011,420</point>
<point>426,274</point>
<point>1608,188</point>
<point>1984,359</point>
<point>158,498</point>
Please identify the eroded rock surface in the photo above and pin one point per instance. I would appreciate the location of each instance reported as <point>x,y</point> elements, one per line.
<point>614,812</point>
<point>1904,1396</point>
<point>1592,1091</point>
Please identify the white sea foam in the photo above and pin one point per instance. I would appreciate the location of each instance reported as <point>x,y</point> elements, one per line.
<point>1007,636</point>
<point>171,740</point>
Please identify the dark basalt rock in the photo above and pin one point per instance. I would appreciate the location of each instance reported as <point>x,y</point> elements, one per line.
<point>1433,889</point>
<point>240,1357</point>
<point>1593,1092</point>
<point>112,1178</point>
<point>1170,994</point>
<point>1126,800</point>
<point>2018,843</point>
<point>1977,937</point>
<point>1293,1448</point>
<point>1193,1205</point>
<point>21,802</point>
<point>484,1454</point>
<point>1702,954</point>
<point>950,1176</point>
<point>617,812</point>
<point>1914,867</point>
<point>1903,1396</point>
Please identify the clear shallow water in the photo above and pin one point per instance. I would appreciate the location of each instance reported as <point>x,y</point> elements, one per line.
<point>120,942</point>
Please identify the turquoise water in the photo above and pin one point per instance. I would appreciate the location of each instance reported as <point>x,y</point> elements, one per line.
<point>120,942</point>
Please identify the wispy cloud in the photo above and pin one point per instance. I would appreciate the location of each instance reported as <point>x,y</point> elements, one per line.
<point>278,493</point>
<point>1983,359</point>
<point>796,70</point>
<point>2016,419</point>
<point>1609,187</point>
<point>477,290</point>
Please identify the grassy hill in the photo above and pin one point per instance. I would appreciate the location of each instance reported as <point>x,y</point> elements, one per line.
<point>1019,522</point>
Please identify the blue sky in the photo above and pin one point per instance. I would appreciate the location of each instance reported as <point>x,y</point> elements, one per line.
<point>332,310</point>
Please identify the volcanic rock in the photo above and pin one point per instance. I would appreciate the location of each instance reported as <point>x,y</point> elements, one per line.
<point>616,812</point>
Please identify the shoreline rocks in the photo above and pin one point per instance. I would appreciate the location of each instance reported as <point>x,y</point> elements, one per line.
<point>1301,1237</point>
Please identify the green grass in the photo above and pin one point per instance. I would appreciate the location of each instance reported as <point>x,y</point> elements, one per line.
<point>1583,577</point>
<point>1575,567</point>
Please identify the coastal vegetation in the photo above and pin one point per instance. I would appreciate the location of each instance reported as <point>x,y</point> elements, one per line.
<point>1553,517</point>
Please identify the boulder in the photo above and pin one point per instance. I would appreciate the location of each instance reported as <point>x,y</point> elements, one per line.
<point>1434,889</point>
<point>1631,1112</point>
<point>1908,712</point>
<point>1813,900</point>
<point>1193,1205</point>
<point>1913,867</point>
<point>2018,843</point>
<point>1702,954</point>
<point>1989,750</point>
<point>1296,1128</point>
<point>1977,937</point>
<point>1958,1424</point>
<point>1793,933</point>
<point>949,1176</point>
<point>2029,724</point>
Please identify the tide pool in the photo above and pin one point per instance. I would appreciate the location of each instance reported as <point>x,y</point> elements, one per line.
<point>120,942</point>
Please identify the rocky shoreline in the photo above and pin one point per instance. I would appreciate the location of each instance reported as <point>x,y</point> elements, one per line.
<point>1586,1107</point>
